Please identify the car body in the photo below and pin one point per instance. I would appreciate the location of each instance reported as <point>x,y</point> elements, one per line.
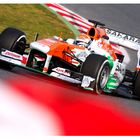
<point>97,70</point>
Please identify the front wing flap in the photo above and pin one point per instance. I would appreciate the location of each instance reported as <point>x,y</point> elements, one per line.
<point>12,57</point>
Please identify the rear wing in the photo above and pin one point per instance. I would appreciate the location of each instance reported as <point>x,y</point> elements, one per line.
<point>119,38</point>
<point>129,46</point>
<point>123,39</point>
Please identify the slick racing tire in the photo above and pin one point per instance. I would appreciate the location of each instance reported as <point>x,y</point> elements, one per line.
<point>137,85</point>
<point>97,66</point>
<point>13,39</point>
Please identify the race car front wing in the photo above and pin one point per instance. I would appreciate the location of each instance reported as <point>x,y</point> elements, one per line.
<point>13,58</point>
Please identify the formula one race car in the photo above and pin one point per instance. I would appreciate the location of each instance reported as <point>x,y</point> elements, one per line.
<point>101,71</point>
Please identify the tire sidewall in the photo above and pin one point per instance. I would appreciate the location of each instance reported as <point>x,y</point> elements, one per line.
<point>14,47</point>
<point>93,67</point>
<point>137,85</point>
<point>10,37</point>
<point>99,89</point>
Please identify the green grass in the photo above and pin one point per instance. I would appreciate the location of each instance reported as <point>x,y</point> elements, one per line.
<point>32,19</point>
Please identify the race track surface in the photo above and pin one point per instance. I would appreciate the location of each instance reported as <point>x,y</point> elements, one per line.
<point>84,112</point>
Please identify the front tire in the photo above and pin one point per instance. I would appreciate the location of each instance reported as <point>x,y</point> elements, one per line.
<point>13,39</point>
<point>97,66</point>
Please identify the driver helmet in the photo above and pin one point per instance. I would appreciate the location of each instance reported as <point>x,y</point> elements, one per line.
<point>83,40</point>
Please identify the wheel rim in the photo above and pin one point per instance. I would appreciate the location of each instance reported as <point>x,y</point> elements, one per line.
<point>103,77</point>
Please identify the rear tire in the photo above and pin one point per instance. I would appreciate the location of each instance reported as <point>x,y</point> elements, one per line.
<point>137,85</point>
<point>97,66</point>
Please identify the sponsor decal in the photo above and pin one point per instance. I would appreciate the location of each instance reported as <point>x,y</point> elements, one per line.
<point>123,36</point>
<point>12,55</point>
<point>62,71</point>
<point>82,55</point>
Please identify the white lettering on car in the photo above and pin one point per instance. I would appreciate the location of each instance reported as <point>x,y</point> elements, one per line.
<point>12,55</point>
<point>123,36</point>
<point>61,71</point>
